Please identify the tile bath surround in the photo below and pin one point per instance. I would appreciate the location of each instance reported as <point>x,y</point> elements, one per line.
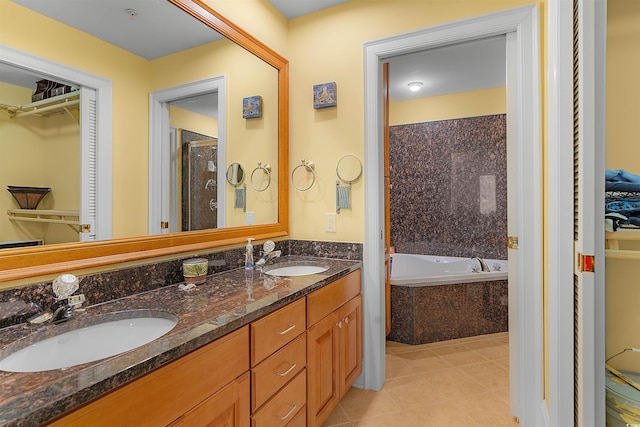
<point>449,187</point>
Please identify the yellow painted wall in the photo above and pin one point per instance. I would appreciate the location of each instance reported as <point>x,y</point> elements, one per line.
<point>623,152</point>
<point>328,46</point>
<point>452,106</point>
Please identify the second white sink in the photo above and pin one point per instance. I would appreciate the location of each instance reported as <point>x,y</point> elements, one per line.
<point>297,270</point>
<point>88,344</point>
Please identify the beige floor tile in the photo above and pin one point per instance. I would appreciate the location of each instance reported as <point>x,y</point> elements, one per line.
<point>359,403</point>
<point>413,392</point>
<point>337,418</point>
<point>423,361</point>
<point>487,410</point>
<point>495,352</point>
<point>463,358</point>
<point>387,420</point>
<point>453,383</point>
<point>492,376</point>
<point>440,415</point>
<point>396,367</point>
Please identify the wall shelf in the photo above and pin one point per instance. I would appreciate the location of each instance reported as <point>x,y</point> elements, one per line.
<point>46,107</point>
<point>46,216</point>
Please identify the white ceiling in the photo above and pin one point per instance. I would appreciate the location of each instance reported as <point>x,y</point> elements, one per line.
<point>159,29</point>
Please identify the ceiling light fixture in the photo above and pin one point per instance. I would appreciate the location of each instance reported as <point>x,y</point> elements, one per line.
<point>415,86</point>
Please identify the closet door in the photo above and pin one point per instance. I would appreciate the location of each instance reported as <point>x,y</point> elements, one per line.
<point>589,295</point>
<point>89,165</point>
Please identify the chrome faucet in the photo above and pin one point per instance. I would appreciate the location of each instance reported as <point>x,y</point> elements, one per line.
<point>483,264</point>
<point>268,253</point>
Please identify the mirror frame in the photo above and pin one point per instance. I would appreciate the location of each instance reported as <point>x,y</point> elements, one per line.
<point>46,261</point>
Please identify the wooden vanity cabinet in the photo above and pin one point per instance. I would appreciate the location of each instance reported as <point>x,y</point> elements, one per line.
<point>334,345</point>
<point>289,368</point>
<point>207,387</point>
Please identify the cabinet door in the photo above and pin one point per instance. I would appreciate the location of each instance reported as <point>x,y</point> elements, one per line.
<point>323,391</point>
<point>350,325</point>
<point>227,408</point>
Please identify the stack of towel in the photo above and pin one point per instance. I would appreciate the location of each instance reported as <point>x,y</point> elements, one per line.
<point>622,200</point>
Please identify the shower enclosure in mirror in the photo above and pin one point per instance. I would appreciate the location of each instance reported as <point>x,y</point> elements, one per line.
<point>199,181</point>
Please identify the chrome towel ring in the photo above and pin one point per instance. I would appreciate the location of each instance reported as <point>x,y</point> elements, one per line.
<point>256,180</point>
<point>309,168</point>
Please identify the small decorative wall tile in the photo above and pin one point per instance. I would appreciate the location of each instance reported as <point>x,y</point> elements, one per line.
<point>252,107</point>
<point>324,95</point>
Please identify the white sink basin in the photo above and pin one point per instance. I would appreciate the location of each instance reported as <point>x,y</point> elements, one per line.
<point>297,270</point>
<point>88,344</point>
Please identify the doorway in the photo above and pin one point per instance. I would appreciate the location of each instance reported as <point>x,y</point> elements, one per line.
<point>521,26</point>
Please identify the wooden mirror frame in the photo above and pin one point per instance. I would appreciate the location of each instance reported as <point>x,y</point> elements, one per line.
<point>26,263</point>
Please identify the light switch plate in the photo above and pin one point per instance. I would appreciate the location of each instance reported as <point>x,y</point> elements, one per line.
<point>330,224</point>
<point>250,218</point>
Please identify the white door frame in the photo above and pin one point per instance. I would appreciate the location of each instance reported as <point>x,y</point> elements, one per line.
<point>524,22</point>
<point>96,137</point>
<point>159,148</point>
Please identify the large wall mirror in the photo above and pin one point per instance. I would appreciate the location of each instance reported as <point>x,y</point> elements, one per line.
<point>179,118</point>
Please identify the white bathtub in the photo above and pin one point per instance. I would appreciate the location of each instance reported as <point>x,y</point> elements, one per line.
<point>430,270</point>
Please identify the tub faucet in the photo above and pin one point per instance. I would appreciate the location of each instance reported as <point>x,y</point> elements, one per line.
<point>483,265</point>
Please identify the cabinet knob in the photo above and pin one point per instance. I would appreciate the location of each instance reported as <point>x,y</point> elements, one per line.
<point>346,320</point>
<point>339,324</point>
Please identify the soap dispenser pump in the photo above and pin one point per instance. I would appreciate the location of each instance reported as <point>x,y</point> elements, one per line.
<point>248,255</point>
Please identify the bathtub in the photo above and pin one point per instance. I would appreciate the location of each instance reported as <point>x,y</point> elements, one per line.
<point>439,298</point>
<point>430,270</point>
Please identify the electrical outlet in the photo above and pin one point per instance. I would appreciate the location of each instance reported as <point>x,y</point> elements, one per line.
<point>330,224</point>
<point>250,218</point>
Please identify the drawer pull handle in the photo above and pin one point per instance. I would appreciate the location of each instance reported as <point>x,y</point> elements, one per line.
<point>285,416</point>
<point>291,326</point>
<point>285,373</point>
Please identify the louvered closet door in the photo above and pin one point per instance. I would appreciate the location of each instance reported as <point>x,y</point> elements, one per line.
<point>589,60</point>
<point>89,164</point>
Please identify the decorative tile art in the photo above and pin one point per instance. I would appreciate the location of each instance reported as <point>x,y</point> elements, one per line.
<point>324,95</point>
<point>252,107</point>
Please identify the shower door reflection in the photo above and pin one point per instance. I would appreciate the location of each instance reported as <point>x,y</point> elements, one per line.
<point>199,181</point>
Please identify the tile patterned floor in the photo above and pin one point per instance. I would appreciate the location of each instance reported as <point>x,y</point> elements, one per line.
<point>462,382</point>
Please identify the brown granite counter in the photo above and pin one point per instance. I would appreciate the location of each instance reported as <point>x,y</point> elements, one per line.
<point>224,303</point>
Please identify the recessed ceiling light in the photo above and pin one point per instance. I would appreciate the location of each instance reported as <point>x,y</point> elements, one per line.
<point>415,86</point>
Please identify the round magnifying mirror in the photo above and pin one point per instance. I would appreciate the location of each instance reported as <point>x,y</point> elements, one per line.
<point>235,174</point>
<point>349,168</point>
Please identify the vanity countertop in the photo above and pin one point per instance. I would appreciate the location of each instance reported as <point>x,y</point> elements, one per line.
<point>224,303</point>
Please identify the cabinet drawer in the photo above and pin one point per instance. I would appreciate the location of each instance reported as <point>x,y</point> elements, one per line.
<point>326,300</point>
<point>284,406</point>
<point>277,370</point>
<point>276,330</point>
<point>180,386</point>
<point>300,420</point>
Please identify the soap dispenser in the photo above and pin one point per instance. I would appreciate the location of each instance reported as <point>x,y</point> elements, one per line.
<point>248,255</point>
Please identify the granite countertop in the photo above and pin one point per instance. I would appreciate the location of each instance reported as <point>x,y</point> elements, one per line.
<point>223,304</point>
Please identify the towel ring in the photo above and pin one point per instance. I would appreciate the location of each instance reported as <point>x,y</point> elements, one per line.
<point>266,170</point>
<point>309,167</point>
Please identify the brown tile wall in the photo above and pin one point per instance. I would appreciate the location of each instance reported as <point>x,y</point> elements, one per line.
<point>438,172</point>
